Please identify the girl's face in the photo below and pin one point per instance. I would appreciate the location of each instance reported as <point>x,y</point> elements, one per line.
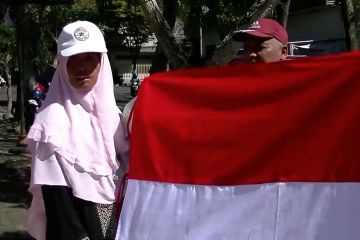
<point>83,70</point>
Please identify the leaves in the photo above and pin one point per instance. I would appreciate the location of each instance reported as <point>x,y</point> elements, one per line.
<point>123,20</point>
<point>7,45</point>
<point>118,19</point>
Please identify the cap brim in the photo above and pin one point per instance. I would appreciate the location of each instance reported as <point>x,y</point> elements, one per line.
<point>240,36</point>
<point>77,49</point>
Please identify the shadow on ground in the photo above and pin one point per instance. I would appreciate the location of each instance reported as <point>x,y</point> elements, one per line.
<point>14,168</point>
<point>14,184</point>
<point>15,235</point>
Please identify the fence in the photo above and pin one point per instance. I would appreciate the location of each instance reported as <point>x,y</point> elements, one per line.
<point>125,72</point>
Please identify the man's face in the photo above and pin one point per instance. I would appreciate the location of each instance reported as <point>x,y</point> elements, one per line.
<point>83,70</point>
<point>265,50</point>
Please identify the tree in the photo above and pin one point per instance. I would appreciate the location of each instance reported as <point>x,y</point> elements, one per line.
<point>251,10</point>
<point>7,51</point>
<point>163,33</point>
<point>122,20</point>
<point>352,22</point>
<point>134,37</point>
<point>46,22</point>
<point>170,11</point>
<point>283,15</point>
<point>32,54</point>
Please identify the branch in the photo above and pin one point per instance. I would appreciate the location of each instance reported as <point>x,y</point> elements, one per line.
<point>163,33</point>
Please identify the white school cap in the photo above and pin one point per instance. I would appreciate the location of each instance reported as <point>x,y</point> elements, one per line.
<point>79,37</point>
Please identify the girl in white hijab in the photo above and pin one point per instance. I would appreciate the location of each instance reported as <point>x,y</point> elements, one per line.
<point>76,142</point>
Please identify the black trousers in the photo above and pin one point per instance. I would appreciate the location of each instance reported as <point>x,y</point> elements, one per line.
<point>68,217</point>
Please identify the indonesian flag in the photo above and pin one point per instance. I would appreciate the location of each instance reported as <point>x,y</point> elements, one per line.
<point>253,152</point>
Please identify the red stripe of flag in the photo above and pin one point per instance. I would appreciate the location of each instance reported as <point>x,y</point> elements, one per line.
<point>293,121</point>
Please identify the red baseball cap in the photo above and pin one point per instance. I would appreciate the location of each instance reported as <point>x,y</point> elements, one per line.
<point>263,28</point>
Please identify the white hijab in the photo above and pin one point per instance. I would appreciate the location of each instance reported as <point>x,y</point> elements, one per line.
<point>83,128</point>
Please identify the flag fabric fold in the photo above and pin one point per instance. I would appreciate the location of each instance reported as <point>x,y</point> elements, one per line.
<point>266,152</point>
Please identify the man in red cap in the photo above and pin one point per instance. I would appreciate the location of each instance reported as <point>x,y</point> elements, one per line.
<point>265,41</point>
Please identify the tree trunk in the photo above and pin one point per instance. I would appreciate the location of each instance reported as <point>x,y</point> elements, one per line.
<point>214,9</point>
<point>135,52</point>
<point>223,53</point>
<point>163,33</point>
<point>8,91</point>
<point>227,48</point>
<point>356,4</point>
<point>350,24</point>
<point>26,69</point>
<point>20,99</point>
<point>159,60</point>
<point>193,30</point>
<point>282,12</point>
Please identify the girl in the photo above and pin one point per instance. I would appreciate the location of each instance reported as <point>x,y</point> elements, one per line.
<point>76,141</point>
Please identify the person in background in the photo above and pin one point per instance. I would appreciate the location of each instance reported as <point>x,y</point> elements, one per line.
<point>76,142</point>
<point>38,95</point>
<point>2,81</point>
<point>116,77</point>
<point>265,41</point>
<point>134,84</point>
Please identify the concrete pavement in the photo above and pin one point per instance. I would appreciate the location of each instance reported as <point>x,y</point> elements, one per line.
<point>14,179</point>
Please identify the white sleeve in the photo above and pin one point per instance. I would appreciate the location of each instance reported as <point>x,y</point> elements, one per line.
<point>127,115</point>
<point>45,167</point>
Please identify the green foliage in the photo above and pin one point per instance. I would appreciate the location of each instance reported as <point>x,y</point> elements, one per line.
<point>7,39</point>
<point>231,13</point>
<point>134,29</point>
<point>118,19</point>
<point>123,20</point>
<point>225,14</point>
<point>41,38</point>
<point>7,46</point>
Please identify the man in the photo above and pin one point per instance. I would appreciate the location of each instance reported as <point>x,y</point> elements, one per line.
<point>265,41</point>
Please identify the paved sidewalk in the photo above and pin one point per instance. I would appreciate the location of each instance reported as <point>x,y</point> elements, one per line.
<point>14,179</point>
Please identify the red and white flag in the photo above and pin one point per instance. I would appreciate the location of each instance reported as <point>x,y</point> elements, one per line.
<point>255,152</point>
